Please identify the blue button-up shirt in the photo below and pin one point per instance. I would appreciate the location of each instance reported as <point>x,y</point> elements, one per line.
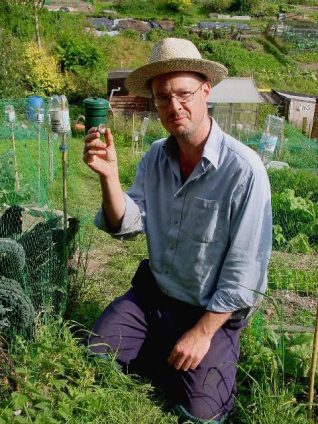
<point>209,238</point>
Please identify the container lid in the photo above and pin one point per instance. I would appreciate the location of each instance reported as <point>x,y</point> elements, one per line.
<point>95,103</point>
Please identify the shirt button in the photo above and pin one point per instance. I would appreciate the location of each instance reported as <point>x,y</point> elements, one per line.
<point>176,222</point>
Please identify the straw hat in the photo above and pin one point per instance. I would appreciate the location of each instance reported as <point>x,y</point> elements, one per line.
<point>172,55</point>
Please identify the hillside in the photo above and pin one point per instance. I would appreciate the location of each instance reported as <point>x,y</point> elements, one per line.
<point>78,49</point>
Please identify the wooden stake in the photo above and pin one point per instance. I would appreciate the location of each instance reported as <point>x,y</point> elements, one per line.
<point>64,176</point>
<point>17,182</point>
<point>50,154</point>
<point>63,148</point>
<point>313,368</point>
<point>133,134</point>
<point>39,161</point>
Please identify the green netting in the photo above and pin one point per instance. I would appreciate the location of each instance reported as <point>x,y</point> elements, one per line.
<point>34,245</point>
<point>34,249</point>
<point>32,151</point>
<point>297,150</point>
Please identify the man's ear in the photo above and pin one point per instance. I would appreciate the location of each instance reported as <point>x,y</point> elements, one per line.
<point>206,89</point>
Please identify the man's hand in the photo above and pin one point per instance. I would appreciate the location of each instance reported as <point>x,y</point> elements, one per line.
<point>189,350</point>
<point>100,156</point>
<point>194,344</point>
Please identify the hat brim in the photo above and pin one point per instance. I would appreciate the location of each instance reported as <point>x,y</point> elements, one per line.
<point>137,82</point>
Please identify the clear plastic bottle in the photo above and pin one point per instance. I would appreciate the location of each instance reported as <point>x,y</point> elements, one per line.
<point>10,113</point>
<point>59,114</point>
<point>271,137</point>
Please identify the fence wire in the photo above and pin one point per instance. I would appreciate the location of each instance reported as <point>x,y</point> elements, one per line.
<point>34,243</point>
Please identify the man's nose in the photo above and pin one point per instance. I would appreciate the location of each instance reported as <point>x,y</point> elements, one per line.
<point>174,104</point>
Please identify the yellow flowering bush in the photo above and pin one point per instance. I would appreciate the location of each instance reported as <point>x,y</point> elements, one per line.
<point>43,76</point>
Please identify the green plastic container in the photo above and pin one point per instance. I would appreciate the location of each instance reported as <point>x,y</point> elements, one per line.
<point>96,110</point>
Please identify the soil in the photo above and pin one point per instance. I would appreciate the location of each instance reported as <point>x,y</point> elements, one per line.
<point>292,305</point>
<point>295,260</point>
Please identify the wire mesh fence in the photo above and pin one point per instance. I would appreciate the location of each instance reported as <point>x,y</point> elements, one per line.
<point>35,244</point>
<point>32,149</point>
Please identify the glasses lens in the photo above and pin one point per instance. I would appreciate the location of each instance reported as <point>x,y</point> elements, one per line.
<point>163,101</point>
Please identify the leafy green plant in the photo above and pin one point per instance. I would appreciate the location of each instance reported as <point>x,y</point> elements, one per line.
<point>304,183</point>
<point>297,218</point>
<point>299,244</point>
<point>77,53</point>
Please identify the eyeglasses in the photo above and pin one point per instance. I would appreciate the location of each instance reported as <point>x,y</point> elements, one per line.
<point>183,97</point>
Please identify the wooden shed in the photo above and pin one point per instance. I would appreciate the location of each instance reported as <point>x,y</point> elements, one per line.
<point>314,131</point>
<point>298,109</point>
<point>119,98</point>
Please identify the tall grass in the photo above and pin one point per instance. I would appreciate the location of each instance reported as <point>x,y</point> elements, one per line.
<point>59,382</point>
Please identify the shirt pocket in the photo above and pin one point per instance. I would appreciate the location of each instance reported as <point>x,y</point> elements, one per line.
<point>205,220</point>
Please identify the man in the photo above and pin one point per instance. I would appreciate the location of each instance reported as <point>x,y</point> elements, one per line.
<point>203,200</point>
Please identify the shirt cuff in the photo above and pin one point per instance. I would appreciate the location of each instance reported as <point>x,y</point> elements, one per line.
<point>241,308</point>
<point>131,223</point>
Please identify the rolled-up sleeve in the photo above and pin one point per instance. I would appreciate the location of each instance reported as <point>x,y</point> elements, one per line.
<point>243,277</point>
<point>131,223</point>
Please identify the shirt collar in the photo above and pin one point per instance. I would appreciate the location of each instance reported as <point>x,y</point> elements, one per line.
<point>211,149</point>
<point>212,146</point>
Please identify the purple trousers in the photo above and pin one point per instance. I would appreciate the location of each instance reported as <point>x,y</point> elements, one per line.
<point>141,328</point>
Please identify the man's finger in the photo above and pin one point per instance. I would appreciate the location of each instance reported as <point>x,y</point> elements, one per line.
<point>92,130</point>
<point>95,144</point>
<point>98,153</point>
<point>95,135</point>
<point>109,137</point>
<point>188,364</point>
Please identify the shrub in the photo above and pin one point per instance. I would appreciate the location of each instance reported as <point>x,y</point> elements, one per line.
<point>13,68</point>
<point>252,45</point>
<point>178,5</point>
<point>218,6</point>
<point>43,77</point>
<point>77,53</point>
<point>258,7</point>
<point>264,8</point>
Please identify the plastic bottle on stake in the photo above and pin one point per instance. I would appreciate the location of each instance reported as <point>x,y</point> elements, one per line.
<point>10,113</point>
<point>274,126</point>
<point>59,115</point>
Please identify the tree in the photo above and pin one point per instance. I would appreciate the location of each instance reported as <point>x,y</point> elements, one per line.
<point>35,6</point>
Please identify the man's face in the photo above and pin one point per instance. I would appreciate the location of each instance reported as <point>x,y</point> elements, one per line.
<point>180,119</point>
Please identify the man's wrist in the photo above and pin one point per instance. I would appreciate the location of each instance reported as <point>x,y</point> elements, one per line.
<point>211,322</point>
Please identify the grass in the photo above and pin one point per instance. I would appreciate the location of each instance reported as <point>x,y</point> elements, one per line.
<point>59,382</point>
<point>154,10</point>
